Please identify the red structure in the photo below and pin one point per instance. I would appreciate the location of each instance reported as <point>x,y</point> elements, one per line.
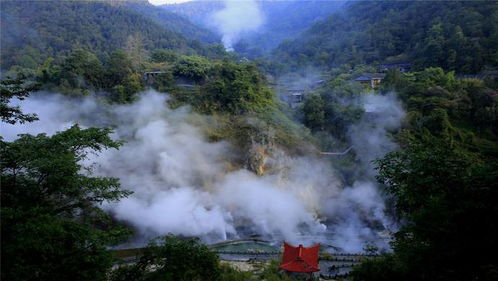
<point>300,259</point>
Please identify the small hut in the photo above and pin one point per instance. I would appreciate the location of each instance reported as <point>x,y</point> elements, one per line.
<point>372,79</point>
<point>300,259</point>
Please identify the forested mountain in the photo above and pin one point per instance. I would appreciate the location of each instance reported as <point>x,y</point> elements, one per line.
<point>455,35</point>
<point>35,30</point>
<point>282,20</point>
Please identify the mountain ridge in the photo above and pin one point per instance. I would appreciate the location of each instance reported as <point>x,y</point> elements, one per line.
<point>460,36</point>
<point>35,31</point>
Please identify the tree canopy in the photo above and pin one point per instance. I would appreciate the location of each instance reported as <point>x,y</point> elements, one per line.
<point>14,88</point>
<point>35,31</point>
<point>174,259</point>
<point>448,198</point>
<point>443,182</point>
<point>52,224</point>
<point>454,35</point>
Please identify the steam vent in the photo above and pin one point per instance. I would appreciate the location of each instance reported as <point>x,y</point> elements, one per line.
<point>277,140</point>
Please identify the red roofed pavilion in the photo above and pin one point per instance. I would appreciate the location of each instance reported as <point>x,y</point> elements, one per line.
<point>300,259</point>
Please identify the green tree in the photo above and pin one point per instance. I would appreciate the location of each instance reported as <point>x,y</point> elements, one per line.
<point>314,112</point>
<point>82,70</point>
<point>447,197</point>
<point>118,67</point>
<point>15,88</point>
<point>331,108</point>
<point>163,55</point>
<point>122,79</point>
<point>235,88</point>
<point>192,67</point>
<point>52,226</point>
<point>173,259</point>
<point>126,91</point>
<point>434,46</point>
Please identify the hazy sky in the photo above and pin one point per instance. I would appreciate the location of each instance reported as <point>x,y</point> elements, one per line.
<point>160,2</point>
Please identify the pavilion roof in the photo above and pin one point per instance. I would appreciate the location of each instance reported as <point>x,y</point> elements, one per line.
<point>300,259</point>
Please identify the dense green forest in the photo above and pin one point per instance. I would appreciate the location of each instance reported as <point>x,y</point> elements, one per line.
<point>455,35</point>
<point>173,22</point>
<point>33,31</point>
<point>443,181</point>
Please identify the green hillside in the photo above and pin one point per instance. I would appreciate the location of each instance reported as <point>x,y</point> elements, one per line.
<point>460,36</point>
<point>34,30</point>
<point>173,22</point>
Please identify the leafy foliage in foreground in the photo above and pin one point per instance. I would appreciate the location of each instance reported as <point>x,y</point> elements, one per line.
<point>448,197</point>
<point>14,88</point>
<point>444,182</point>
<point>170,258</point>
<point>52,228</point>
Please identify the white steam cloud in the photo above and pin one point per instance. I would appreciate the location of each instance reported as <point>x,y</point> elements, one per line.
<point>370,137</point>
<point>362,201</point>
<point>236,18</point>
<point>184,184</point>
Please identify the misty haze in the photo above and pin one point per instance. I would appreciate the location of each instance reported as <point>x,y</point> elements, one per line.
<point>249,140</point>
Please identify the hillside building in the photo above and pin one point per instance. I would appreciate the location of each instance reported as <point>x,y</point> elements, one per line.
<point>371,79</point>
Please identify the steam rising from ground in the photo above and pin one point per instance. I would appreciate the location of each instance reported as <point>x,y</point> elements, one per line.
<point>183,184</point>
<point>362,204</point>
<point>236,18</point>
<point>370,137</point>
